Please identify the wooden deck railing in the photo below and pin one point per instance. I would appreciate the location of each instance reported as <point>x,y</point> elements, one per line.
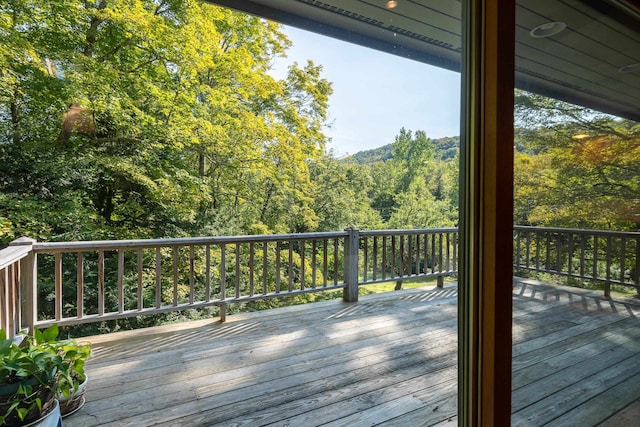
<point>610,257</point>
<point>17,275</point>
<point>81,282</point>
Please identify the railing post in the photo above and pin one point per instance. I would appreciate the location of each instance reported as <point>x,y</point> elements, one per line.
<point>223,312</point>
<point>440,282</point>
<point>350,291</point>
<point>607,289</point>
<point>28,285</point>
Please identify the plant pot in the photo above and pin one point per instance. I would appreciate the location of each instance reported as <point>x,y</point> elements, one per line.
<point>51,419</point>
<point>71,404</point>
<point>44,393</point>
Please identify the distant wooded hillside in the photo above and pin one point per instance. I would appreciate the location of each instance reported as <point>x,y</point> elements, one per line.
<point>446,149</point>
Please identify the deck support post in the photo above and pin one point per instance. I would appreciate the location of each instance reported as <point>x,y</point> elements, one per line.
<point>28,286</point>
<point>440,281</point>
<point>350,291</point>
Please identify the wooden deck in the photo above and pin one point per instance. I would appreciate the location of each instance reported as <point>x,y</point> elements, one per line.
<point>389,359</point>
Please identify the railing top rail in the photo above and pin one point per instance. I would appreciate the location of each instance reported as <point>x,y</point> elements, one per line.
<point>186,241</point>
<point>367,233</point>
<point>603,233</point>
<point>12,254</point>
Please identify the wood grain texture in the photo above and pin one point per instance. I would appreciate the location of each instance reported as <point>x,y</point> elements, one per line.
<point>389,359</point>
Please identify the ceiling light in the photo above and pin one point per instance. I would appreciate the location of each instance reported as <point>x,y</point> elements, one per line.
<point>631,68</point>
<point>391,4</point>
<point>547,30</point>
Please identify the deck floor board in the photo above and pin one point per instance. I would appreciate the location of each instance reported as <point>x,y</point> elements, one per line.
<point>389,360</point>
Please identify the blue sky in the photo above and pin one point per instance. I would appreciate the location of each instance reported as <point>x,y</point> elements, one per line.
<point>375,93</point>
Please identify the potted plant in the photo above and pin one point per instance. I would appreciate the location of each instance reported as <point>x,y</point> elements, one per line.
<point>29,373</point>
<point>71,388</point>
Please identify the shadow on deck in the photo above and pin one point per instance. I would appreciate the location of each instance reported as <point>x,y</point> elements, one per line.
<point>389,359</point>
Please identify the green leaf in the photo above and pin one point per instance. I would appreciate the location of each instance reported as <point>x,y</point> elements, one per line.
<point>51,333</point>
<point>5,345</point>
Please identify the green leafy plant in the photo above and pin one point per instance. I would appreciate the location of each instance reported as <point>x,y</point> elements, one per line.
<point>28,376</point>
<point>74,355</point>
<point>35,371</point>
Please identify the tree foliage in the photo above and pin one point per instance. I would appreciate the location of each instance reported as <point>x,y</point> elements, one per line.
<point>576,167</point>
<point>151,118</point>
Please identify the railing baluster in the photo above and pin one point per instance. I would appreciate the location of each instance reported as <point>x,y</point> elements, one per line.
<point>140,286</point>
<point>314,248</point>
<point>251,268</point>
<point>401,266</point>
<point>365,255</point>
<point>518,261</point>
<point>455,251</point>
<point>325,263</point>
<point>264,268</point>
<point>384,257</point>
<point>393,256</point>
<point>425,266</point>
<point>6,283</point>
<point>336,247</point>
<point>623,260</point>
<point>158,277</point>
<point>440,253</point>
<point>548,252</point>
<point>58,286</point>
<point>100,283</point>
<point>418,259</point>
<point>120,280</point>
<point>448,246</point>
<point>528,251</point>
<point>80,285</point>
<point>537,251</point>
<point>583,244</point>
<point>375,258</point>
<point>558,253</point>
<point>278,262</point>
<point>570,255</point>
<point>302,260</point>
<point>290,271</point>
<point>223,282</point>
<point>607,284</point>
<point>595,258</point>
<point>207,273</point>
<point>237,270</point>
<point>175,275</point>
<point>410,253</point>
<point>433,253</point>
<point>223,273</point>
<point>192,277</point>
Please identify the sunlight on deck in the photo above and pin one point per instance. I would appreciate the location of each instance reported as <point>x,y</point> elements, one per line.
<point>389,359</point>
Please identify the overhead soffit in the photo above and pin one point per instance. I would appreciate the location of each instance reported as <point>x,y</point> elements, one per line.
<point>580,64</point>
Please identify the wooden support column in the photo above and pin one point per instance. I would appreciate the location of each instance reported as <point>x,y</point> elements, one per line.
<point>486,213</point>
<point>350,291</point>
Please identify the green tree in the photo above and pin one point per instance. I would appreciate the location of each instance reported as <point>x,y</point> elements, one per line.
<point>577,168</point>
<point>341,196</point>
<point>140,119</point>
